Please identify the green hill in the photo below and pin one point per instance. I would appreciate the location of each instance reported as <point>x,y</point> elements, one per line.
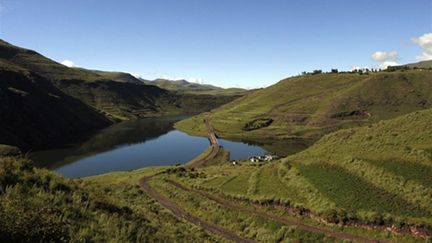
<point>33,112</point>
<point>312,105</point>
<point>44,101</point>
<point>422,64</point>
<point>373,175</point>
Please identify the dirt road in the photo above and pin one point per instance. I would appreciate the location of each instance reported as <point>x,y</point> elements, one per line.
<point>214,144</point>
<point>289,222</point>
<point>180,213</point>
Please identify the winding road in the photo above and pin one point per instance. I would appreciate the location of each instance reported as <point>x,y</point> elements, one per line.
<point>214,145</point>
<point>181,213</point>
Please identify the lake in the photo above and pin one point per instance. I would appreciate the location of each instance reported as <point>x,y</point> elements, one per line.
<point>132,145</point>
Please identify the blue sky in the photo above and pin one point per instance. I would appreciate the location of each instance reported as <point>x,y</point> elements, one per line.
<point>228,43</point>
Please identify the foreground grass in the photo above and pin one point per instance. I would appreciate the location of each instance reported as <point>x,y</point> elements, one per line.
<point>37,205</point>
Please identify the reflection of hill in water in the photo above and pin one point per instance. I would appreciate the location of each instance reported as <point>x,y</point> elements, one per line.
<point>121,134</point>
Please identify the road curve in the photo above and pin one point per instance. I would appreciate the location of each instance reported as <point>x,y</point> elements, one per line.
<point>282,220</point>
<point>214,145</point>
<point>180,213</point>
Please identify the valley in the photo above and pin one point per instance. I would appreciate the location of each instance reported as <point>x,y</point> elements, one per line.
<point>101,156</point>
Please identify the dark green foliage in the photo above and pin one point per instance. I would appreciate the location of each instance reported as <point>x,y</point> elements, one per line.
<point>257,124</point>
<point>185,172</point>
<point>353,193</point>
<point>408,170</point>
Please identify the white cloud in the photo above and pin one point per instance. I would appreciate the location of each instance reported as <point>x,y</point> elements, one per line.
<point>425,43</point>
<point>69,63</point>
<point>386,58</point>
<point>382,56</point>
<point>386,64</point>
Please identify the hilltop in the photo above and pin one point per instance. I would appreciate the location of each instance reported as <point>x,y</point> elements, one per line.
<point>184,86</point>
<point>422,64</point>
<point>309,106</point>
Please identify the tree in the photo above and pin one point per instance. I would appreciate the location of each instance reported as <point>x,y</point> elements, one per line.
<point>319,71</point>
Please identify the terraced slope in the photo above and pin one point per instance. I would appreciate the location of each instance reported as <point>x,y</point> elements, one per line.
<point>313,105</point>
<point>377,175</point>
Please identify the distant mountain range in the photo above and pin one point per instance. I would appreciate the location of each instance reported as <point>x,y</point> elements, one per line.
<point>184,86</point>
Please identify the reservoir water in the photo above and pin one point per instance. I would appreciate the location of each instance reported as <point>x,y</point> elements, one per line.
<point>131,145</point>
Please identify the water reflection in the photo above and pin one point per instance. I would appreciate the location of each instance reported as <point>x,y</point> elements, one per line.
<point>118,135</point>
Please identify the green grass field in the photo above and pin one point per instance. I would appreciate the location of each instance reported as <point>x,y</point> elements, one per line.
<point>376,174</point>
<point>313,105</point>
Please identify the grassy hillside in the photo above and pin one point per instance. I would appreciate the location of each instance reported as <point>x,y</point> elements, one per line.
<point>38,206</point>
<point>33,112</point>
<point>312,105</point>
<point>422,64</point>
<point>118,95</point>
<point>373,175</point>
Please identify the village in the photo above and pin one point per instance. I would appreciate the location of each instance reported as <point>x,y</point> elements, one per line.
<point>259,159</point>
<point>263,158</point>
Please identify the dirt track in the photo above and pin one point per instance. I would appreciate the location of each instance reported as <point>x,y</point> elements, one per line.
<point>180,213</point>
<point>299,225</point>
<point>214,144</point>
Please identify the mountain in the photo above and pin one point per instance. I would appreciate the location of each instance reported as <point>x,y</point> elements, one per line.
<point>309,106</point>
<point>33,111</point>
<point>178,85</point>
<point>184,86</point>
<point>422,64</point>
<point>118,76</point>
<point>43,100</point>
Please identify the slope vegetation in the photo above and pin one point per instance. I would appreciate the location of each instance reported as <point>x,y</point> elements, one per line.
<point>374,175</point>
<point>312,105</point>
<point>38,206</point>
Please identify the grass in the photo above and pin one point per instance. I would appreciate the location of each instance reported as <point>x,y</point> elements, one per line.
<point>408,170</point>
<point>243,224</point>
<point>376,174</point>
<point>313,105</point>
<point>355,194</point>
<point>38,205</point>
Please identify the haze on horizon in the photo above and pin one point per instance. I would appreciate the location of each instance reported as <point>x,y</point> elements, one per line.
<point>226,43</point>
